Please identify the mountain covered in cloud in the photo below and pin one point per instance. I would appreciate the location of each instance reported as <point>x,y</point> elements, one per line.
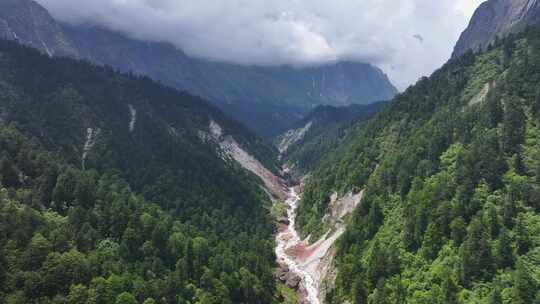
<point>266,98</point>
<point>497,18</point>
<point>31,24</point>
<point>284,32</point>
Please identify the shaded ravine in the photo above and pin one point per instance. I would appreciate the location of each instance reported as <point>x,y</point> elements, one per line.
<point>287,240</point>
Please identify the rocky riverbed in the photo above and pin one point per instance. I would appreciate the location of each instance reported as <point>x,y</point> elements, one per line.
<point>290,270</point>
<point>304,266</point>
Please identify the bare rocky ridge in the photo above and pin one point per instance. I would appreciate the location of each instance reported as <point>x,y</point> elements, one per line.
<point>497,18</point>
<point>230,149</point>
<point>293,136</point>
<point>272,182</point>
<point>31,24</point>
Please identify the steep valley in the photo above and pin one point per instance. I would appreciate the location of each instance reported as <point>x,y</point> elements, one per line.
<point>117,189</point>
<point>306,265</point>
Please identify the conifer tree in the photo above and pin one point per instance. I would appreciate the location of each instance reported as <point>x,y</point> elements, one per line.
<point>496,297</point>
<point>505,252</point>
<point>524,290</point>
<point>450,290</point>
<point>476,256</point>
<point>359,293</point>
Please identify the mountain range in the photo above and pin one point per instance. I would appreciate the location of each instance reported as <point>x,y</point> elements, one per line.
<point>266,99</point>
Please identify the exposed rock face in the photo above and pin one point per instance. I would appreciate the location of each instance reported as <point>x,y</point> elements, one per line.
<point>497,18</point>
<point>321,263</point>
<point>284,221</point>
<point>293,136</point>
<point>316,261</point>
<point>91,139</point>
<point>328,273</point>
<point>340,207</point>
<point>232,150</point>
<point>318,258</point>
<point>272,182</point>
<point>31,24</point>
<point>290,279</point>
<point>482,95</point>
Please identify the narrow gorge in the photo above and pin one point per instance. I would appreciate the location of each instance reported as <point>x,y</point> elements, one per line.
<point>291,270</point>
<point>305,265</point>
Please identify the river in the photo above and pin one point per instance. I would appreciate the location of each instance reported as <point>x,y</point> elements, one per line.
<point>289,238</point>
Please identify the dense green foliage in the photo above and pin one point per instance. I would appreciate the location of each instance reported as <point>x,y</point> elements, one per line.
<point>451,171</point>
<point>330,127</point>
<point>144,211</point>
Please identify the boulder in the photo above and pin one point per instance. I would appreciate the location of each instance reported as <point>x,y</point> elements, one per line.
<point>284,221</point>
<point>282,272</point>
<point>292,280</point>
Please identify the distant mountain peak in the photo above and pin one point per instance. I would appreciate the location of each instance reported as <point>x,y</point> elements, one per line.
<point>31,24</point>
<point>265,98</point>
<point>497,18</point>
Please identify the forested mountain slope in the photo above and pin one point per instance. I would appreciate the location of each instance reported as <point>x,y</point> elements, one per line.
<point>264,98</point>
<point>451,172</point>
<point>323,130</point>
<point>112,192</point>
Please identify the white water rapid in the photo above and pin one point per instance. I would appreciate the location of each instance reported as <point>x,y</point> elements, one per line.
<point>288,239</point>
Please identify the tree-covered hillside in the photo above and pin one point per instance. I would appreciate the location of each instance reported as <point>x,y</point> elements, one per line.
<point>328,128</point>
<point>451,172</point>
<point>109,192</point>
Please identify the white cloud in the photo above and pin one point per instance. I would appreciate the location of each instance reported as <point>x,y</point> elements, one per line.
<point>467,7</point>
<point>297,32</point>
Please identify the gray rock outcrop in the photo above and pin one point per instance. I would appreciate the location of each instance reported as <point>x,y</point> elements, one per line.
<point>497,18</point>
<point>31,24</point>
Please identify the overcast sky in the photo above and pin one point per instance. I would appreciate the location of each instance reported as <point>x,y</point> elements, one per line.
<point>406,38</point>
